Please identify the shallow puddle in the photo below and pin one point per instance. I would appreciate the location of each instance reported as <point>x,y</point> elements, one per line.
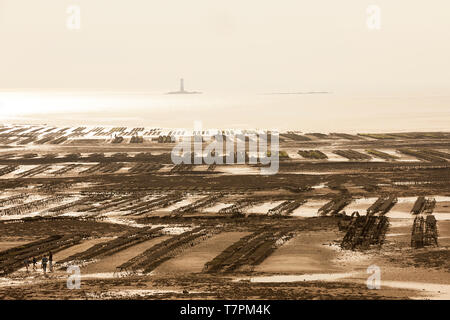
<point>298,278</point>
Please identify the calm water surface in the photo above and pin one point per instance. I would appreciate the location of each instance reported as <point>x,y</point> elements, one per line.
<point>308,113</point>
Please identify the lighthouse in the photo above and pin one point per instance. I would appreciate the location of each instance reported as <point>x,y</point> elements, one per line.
<point>182,91</point>
<point>181,85</point>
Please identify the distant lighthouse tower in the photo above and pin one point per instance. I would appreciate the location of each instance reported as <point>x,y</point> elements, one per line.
<point>182,91</point>
<point>181,85</point>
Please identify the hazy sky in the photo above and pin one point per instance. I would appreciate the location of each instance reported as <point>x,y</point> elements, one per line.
<point>226,46</point>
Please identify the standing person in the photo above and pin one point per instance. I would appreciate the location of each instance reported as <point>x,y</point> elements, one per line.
<point>44,264</point>
<point>50,262</point>
<point>27,263</point>
<point>34,263</point>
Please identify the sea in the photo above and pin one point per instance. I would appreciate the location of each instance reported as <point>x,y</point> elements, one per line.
<point>306,112</point>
